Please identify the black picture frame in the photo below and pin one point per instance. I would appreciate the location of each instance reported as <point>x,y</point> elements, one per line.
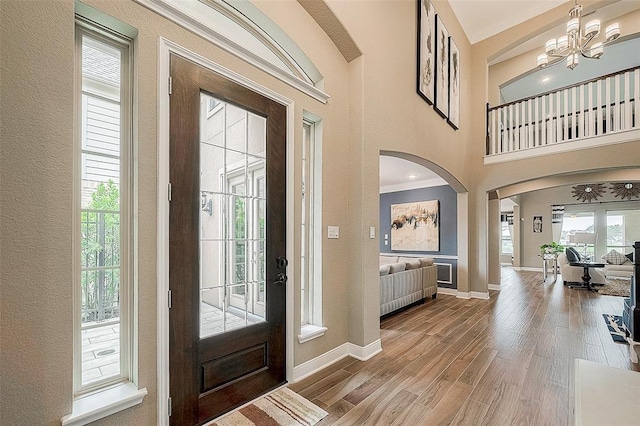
<point>454,85</point>
<point>441,104</point>
<point>425,71</point>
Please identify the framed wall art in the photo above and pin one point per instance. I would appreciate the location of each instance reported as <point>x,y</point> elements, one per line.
<point>454,85</point>
<point>442,69</point>
<point>415,226</point>
<point>426,50</point>
<point>537,224</point>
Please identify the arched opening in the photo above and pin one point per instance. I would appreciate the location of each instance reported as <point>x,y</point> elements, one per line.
<point>553,208</point>
<point>410,181</point>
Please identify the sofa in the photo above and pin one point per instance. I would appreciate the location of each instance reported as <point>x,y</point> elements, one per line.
<point>405,280</point>
<point>573,274</point>
<point>617,264</point>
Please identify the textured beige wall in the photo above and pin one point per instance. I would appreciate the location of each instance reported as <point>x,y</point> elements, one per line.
<point>35,227</point>
<point>394,117</point>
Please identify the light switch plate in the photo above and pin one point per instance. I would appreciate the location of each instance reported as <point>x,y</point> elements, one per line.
<point>333,232</point>
<point>372,232</point>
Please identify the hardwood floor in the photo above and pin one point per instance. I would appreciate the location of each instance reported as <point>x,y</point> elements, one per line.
<point>506,360</point>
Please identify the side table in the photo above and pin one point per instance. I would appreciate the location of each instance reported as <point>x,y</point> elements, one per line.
<point>546,257</point>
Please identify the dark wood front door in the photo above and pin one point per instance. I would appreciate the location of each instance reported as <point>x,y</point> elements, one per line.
<point>226,244</point>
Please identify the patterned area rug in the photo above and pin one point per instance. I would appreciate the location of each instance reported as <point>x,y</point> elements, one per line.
<point>615,287</point>
<point>280,408</point>
<point>616,327</point>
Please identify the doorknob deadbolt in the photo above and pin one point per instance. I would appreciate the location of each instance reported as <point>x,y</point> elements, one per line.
<point>282,279</point>
<point>282,262</point>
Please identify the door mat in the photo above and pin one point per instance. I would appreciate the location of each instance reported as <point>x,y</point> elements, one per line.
<point>280,408</point>
<point>617,329</point>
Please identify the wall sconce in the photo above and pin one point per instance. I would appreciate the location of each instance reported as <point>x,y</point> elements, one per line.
<point>206,204</point>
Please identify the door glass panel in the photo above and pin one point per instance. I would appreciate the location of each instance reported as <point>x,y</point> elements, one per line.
<point>232,217</point>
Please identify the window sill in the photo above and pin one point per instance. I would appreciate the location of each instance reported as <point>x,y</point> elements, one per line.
<point>310,332</point>
<point>104,403</point>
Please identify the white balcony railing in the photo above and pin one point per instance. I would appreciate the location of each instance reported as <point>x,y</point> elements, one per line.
<point>590,109</point>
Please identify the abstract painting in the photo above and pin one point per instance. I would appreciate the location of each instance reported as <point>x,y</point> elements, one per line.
<point>426,49</point>
<point>415,226</point>
<point>454,84</point>
<point>442,68</point>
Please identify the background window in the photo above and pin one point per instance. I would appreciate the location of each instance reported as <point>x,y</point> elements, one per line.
<point>623,229</point>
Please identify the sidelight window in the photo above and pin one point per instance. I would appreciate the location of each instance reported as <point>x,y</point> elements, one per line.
<point>104,200</point>
<point>311,231</point>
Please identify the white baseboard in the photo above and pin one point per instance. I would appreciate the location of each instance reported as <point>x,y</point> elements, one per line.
<point>479,295</point>
<point>529,269</point>
<point>449,291</point>
<point>334,355</point>
<point>494,286</point>
<point>464,294</point>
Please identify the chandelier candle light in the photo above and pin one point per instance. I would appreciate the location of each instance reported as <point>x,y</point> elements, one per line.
<point>576,42</point>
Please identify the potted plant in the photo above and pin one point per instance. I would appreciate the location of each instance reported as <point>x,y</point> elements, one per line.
<point>551,248</point>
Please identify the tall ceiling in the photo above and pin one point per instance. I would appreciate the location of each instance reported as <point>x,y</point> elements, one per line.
<point>481,19</point>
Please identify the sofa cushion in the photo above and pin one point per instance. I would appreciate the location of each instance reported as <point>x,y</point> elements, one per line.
<point>614,257</point>
<point>629,256</point>
<point>572,255</point>
<point>384,270</point>
<point>413,264</point>
<point>397,267</point>
<point>426,261</point>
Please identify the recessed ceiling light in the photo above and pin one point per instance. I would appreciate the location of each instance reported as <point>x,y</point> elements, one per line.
<point>413,176</point>
<point>544,80</point>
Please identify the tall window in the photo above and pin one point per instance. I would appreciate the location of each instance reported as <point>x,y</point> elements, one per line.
<point>577,221</point>
<point>311,232</point>
<point>623,229</point>
<point>573,222</point>
<point>103,200</point>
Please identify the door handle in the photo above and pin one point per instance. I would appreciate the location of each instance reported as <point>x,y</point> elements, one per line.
<point>282,279</point>
<point>282,262</point>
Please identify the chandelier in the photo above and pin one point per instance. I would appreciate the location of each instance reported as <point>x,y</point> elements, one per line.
<point>576,42</point>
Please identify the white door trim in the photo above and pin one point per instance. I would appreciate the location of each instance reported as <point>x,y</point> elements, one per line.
<point>165,49</point>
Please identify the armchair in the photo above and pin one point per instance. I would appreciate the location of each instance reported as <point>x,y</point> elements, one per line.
<point>573,274</point>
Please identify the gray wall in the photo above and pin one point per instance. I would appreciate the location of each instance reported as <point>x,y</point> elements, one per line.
<point>448,226</point>
<point>448,211</point>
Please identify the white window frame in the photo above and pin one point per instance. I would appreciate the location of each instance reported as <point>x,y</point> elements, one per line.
<point>311,325</point>
<point>102,398</point>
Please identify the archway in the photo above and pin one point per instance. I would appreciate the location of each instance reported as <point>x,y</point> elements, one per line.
<point>539,195</point>
<point>461,256</point>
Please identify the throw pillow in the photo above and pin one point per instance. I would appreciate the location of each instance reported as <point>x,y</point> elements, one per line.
<point>629,256</point>
<point>426,261</point>
<point>397,267</point>
<point>384,269</point>
<point>614,257</point>
<point>414,264</point>
<point>572,255</point>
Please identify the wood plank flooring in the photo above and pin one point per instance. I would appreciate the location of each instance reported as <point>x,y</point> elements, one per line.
<point>508,360</point>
